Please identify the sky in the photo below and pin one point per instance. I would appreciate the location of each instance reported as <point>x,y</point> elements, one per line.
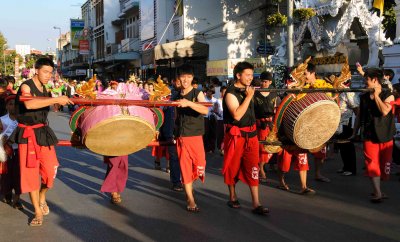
<point>31,22</point>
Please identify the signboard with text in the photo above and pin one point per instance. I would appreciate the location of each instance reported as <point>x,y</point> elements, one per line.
<point>225,67</point>
<point>84,47</point>
<point>77,26</point>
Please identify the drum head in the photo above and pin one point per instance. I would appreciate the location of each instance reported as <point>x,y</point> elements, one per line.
<point>119,135</point>
<point>316,124</point>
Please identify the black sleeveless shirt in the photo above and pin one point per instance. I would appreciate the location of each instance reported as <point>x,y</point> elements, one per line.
<point>189,122</point>
<point>264,106</point>
<point>248,118</point>
<point>376,128</point>
<point>44,135</point>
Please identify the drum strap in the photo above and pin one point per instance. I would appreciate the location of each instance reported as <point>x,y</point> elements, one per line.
<point>33,150</point>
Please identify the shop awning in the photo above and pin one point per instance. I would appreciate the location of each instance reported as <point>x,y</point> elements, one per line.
<point>180,49</point>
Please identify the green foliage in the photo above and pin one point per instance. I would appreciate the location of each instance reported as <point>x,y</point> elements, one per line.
<point>303,14</point>
<point>29,61</point>
<point>389,22</point>
<point>276,19</point>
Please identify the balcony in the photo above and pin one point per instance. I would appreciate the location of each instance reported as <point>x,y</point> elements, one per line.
<point>128,7</point>
<point>130,44</point>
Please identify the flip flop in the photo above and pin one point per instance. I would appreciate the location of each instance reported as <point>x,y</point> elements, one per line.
<point>233,204</point>
<point>282,187</point>
<point>194,209</point>
<point>35,222</point>
<point>323,179</point>
<point>260,210</point>
<point>42,207</point>
<point>307,191</point>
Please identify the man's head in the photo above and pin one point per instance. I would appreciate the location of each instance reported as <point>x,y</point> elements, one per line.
<point>243,73</point>
<point>310,73</point>
<point>266,79</point>
<point>44,69</point>
<point>388,74</point>
<point>373,77</point>
<point>185,75</point>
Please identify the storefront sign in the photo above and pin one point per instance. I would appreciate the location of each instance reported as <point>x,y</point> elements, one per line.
<point>225,67</point>
<point>84,47</point>
<point>80,72</point>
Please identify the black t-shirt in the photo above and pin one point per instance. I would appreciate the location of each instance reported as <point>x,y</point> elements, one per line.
<point>44,135</point>
<point>376,128</point>
<point>264,106</point>
<point>248,118</point>
<point>189,122</point>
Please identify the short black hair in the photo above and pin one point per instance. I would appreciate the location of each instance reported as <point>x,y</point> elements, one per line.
<point>215,81</point>
<point>44,61</point>
<point>10,79</point>
<point>311,67</point>
<point>374,73</point>
<point>185,69</point>
<point>266,75</point>
<point>389,72</point>
<point>195,81</point>
<point>240,67</point>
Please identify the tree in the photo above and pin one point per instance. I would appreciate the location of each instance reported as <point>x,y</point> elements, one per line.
<point>3,45</point>
<point>389,21</point>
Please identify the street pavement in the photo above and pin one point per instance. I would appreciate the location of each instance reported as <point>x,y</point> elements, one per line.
<point>151,211</point>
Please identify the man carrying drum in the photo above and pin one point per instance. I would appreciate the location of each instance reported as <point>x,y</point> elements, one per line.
<point>35,138</point>
<point>189,134</point>
<point>264,105</point>
<point>241,145</point>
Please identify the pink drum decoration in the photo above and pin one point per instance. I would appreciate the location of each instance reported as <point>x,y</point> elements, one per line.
<point>117,130</point>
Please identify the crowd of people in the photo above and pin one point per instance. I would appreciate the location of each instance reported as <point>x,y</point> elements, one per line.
<point>237,119</point>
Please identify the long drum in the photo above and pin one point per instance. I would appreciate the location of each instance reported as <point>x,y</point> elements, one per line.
<point>116,130</point>
<point>311,121</point>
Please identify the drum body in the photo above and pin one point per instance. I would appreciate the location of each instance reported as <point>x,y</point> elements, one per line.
<point>116,130</point>
<point>311,121</point>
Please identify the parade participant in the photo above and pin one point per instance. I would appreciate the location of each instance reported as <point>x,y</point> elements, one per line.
<point>35,138</point>
<point>11,180</point>
<point>189,134</point>
<point>264,106</point>
<point>241,146</point>
<point>320,156</point>
<point>377,130</point>
<point>116,177</point>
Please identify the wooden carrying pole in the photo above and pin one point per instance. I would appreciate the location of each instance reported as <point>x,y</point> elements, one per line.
<point>120,102</point>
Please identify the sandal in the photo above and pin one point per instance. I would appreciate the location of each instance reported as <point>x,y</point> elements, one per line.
<point>384,196</point>
<point>283,187</point>
<point>194,209</point>
<point>323,179</point>
<point>43,207</point>
<point>376,199</point>
<point>260,210</point>
<point>115,199</point>
<point>307,191</point>
<point>233,204</point>
<point>36,221</point>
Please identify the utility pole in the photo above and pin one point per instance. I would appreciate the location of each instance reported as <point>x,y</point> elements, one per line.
<point>59,47</point>
<point>290,60</point>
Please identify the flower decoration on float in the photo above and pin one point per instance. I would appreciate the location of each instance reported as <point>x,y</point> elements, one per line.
<point>87,90</point>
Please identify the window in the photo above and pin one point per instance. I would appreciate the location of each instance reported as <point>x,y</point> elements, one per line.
<point>175,25</point>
